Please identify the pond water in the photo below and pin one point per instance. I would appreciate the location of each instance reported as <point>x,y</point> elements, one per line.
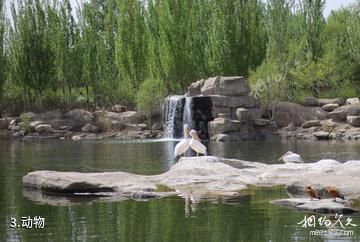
<point>250,218</point>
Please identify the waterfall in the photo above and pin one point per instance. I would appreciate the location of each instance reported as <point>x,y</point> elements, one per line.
<point>173,116</point>
<point>187,117</point>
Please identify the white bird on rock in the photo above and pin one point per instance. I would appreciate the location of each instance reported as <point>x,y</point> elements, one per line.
<point>291,157</point>
<point>195,143</point>
<point>184,144</point>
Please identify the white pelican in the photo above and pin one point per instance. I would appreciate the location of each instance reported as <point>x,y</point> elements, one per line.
<point>290,157</point>
<point>195,143</point>
<point>184,144</point>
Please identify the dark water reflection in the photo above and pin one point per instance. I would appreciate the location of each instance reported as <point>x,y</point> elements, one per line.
<point>252,218</point>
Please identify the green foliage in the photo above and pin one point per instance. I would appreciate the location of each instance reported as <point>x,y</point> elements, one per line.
<point>25,122</point>
<point>2,49</point>
<point>268,83</point>
<point>116,51</point>
<point>149,97</point>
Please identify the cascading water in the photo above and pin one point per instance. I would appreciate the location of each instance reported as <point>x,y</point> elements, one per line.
<point>187,117</point>
<point>173,116</point>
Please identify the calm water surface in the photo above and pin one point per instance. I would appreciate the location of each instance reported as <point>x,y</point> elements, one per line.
<point>250,218</point>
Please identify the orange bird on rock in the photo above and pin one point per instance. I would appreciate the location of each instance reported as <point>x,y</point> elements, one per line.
<point>312,193</point>
<point>334,193</point>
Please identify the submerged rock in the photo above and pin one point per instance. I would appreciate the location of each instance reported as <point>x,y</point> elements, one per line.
<point>207,176</point>
<point>318,206</point>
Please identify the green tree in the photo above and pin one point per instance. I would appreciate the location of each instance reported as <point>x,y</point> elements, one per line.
<point>150,96</point>
<point>2,49</point>
<point>131,43</point>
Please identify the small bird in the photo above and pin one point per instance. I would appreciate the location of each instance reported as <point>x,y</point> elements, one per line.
<point>290,157</point>
<point>184,144</point>
<point>334,193</point>
<point>196,145</point>
<point>312,193</point>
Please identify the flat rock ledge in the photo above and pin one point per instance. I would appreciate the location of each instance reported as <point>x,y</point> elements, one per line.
<point>318,206</point>
<point>204,177</point>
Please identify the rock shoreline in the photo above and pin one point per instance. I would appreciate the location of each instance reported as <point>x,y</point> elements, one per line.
<point>203,177</point>
<point>79,124</point>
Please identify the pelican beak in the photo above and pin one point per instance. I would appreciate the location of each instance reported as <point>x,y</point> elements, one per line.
<point>281,157</point>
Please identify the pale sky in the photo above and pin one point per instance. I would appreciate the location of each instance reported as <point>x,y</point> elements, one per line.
<point>336,4</point>
<point>330,5</point>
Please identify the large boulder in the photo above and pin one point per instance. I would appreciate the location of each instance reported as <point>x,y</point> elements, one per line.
<point>223,126</point>
<point>322,135</point>
<point>325,101</point>
<point>317,206</point>
<point>353,120</point>
<point>47,116</point>
<point>228,86</point>
<point>310,102</point>
<point>90,128</point>
<point>330,107</point>
<point>118,108</point>
<point>242,114</point>
<point>218,111</point>
<point>311,123</point>
<point>246,115</point>
<point>195,88</point>
<point>44,129</point>
<point>129,117</point>
<point>80,117</point>
<point>288,112</point>
<point>221,138</point>
<point>233,101</point>
<point>342,112</point>
<point>4,123</point>
<point>253,113</point>
<point>352,101</point>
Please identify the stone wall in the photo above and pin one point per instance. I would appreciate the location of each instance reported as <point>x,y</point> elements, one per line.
<point>235,114</point>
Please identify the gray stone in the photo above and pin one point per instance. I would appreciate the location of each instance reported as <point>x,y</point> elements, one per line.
<point>136,127</point>
<point>290,127</point>
<point>33,124</point>
<point>325,101</point>
<point>90,128</point>
<point>342,112</point>
<point>287,112</point>
<point>353,120</point>
<point>242,114</point>
<point>80,117</point>
<point>195,88</point>
<point>66,127</point>
<point>310,102</point>
<point>47,116</point>
<point>216,110</point>
<point>224,115</point>
<point>352,101</point>
<point>129,117</point>
<point>322,135</point>
<point>330,107</point>
<point>261,122</point>
<point>118,108</point>
<point>253,113</point>
<point>228,86</point>
<point>311,123</point>
<point>4,123</point>
<point>157,126</point>
<point>233,101</point>
<point>319,206</point>
<point>222,138</point>
<point>44,129</point>
<point>224,125</point>
<point>206,176</point>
